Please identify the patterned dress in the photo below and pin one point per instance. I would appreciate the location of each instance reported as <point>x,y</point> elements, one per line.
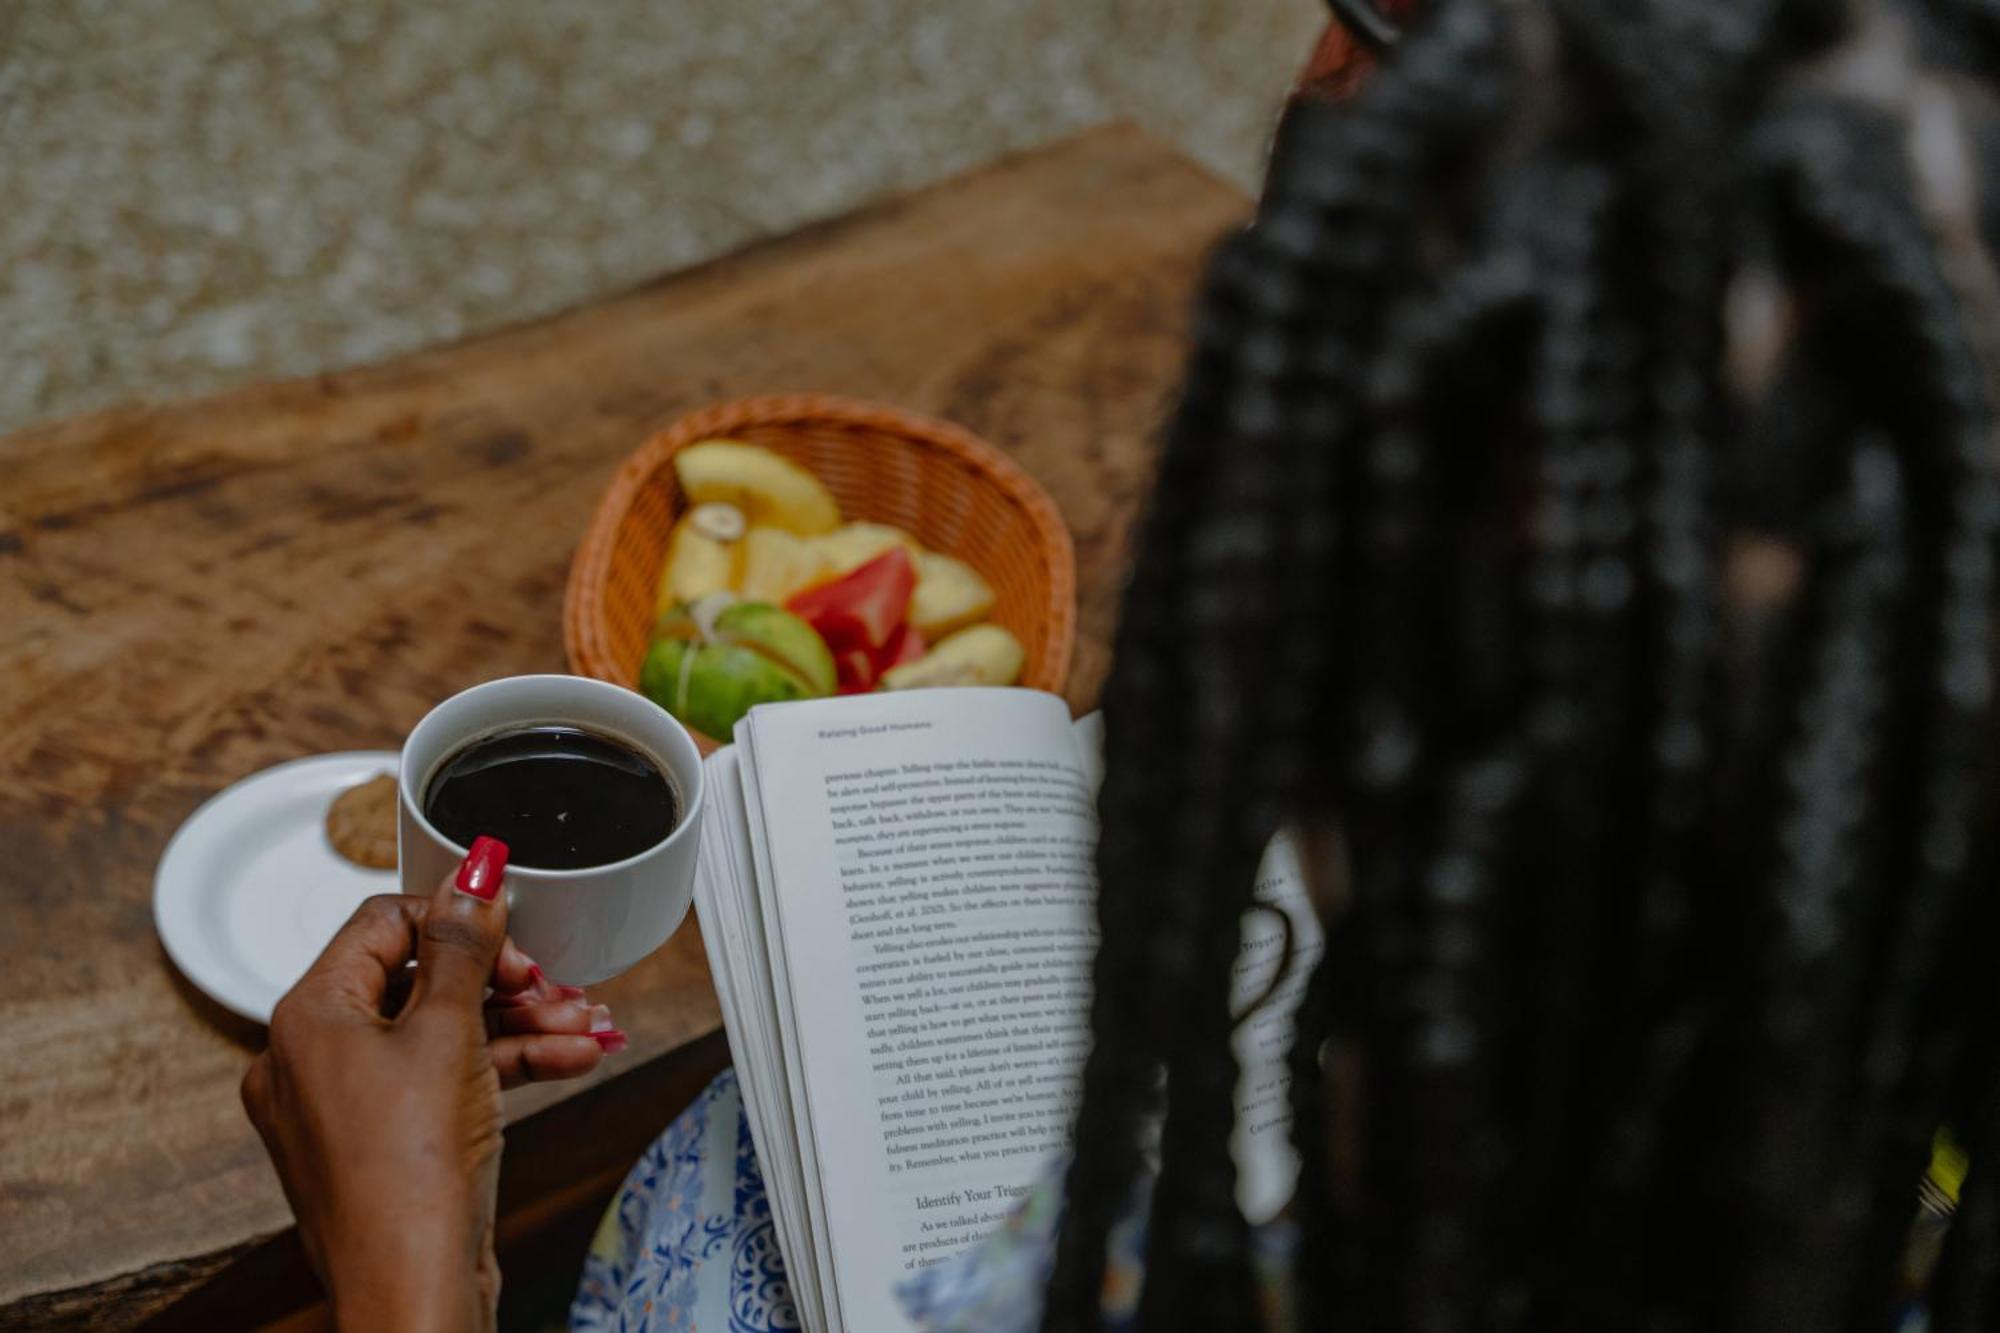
<point>689,1245</point>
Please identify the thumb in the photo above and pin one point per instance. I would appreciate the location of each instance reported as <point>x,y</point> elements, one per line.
<point>463,931</point>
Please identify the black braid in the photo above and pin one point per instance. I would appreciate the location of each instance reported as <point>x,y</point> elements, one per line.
<point>1281,420</point>
<point>1649,981</point>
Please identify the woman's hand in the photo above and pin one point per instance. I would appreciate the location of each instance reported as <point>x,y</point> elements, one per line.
<point>379,1096</point>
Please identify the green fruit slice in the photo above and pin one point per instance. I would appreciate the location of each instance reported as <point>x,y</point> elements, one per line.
<point>782,637</point>
<point>711,686</point>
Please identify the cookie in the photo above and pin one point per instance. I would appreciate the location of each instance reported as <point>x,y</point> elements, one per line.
<point>361,823</point>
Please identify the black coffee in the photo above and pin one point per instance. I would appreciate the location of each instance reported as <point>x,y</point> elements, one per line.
<point>561,798</point>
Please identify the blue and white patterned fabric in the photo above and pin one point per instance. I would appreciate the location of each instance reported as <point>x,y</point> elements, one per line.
<point>688,1243</point>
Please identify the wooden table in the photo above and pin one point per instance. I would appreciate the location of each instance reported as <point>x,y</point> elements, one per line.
<point>190,593</point>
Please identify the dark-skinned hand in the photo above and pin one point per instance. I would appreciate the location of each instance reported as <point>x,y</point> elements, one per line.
<point>378,1096</point>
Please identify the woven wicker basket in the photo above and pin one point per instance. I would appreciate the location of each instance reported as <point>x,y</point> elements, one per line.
<point>958,494</point>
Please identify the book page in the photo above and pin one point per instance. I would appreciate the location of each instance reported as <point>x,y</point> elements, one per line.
<point>1267,1166</point>
<point>1088,733</point>
<point>732,934</point>
<point>783,989</point>
<point>931,866</point>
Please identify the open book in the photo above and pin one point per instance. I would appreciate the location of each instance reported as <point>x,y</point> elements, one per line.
<point>895,893</point>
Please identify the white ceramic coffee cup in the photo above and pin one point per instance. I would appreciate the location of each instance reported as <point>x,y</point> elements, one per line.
<point>583,926</point>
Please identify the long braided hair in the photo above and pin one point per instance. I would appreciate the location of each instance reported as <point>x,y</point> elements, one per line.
<point>1583,497</point>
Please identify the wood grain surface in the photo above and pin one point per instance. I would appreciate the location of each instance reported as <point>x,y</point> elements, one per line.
<point>192,592</point>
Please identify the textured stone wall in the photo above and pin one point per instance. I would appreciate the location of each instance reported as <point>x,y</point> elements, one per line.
<point>195,193</point>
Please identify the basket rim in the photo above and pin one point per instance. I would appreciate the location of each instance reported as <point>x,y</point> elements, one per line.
<point>583,609</point>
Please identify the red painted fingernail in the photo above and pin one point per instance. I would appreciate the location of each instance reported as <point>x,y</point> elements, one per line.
<point>613,1041</point>
<point>479,877</point>
<point>570,992</point>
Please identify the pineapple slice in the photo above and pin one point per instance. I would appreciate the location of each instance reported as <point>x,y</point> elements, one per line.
<point>950,595</point>
<point>768,489</point>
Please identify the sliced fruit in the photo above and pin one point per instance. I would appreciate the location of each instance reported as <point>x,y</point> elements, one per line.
<point>697,563</point>
<point>852,545</point>
<point>777,563</point>
<point>864,609</point>
<point>693,621</point>
<point>718,521</point>
<point>716,659</point>
<point>782,637</point>
<point>950,595</point>
<point>711,686</point>
<point>766,487</point>
<point>982,655</point>
<point>777,634</point>
<point>857,671</point>
<point>905,646</point>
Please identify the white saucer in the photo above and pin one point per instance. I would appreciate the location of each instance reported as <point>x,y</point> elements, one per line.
<point>249,890</point>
